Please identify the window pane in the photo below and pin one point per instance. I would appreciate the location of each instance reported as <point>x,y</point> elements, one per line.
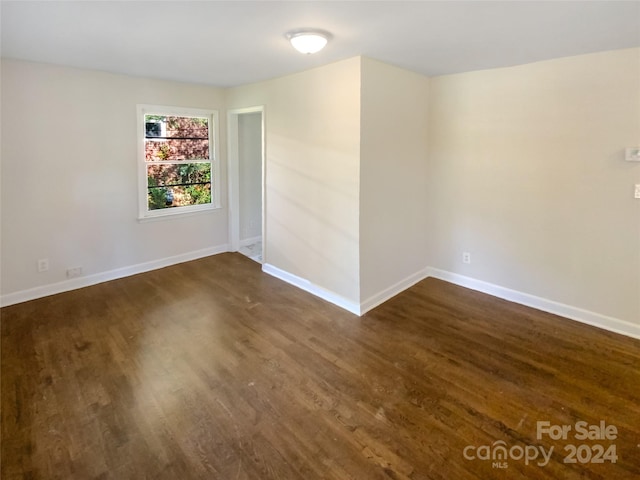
<point>178,185</point>
<point>171,138</point>
<point>172,150</point>
<point>191,127</point>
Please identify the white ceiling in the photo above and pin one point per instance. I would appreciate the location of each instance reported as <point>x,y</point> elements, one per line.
<point>238,42</point>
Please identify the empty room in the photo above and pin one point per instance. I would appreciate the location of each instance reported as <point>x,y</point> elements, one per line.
<point>320,240</point>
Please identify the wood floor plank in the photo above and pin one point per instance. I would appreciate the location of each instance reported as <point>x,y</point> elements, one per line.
<point>214,370</point>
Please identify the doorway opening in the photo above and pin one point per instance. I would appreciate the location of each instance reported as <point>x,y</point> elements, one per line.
<point>246,182</point>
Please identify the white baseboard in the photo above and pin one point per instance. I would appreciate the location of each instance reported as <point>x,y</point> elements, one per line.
<point>567,311</point>
<point>390,292</point>
<point>316,290</point>
<point>584,316</point>
<point>250,241</point>
<point>574,313</point>
<point>81,282</point>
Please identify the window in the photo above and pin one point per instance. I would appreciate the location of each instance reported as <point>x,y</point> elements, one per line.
<point>177,160</point>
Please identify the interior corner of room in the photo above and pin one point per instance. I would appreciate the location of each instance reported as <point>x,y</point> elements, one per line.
<point>509,180</point>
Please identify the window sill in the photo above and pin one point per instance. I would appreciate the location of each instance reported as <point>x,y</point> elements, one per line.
<point>176,215</point>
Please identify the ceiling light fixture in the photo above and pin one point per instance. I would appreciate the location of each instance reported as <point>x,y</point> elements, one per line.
<point>308,41</point>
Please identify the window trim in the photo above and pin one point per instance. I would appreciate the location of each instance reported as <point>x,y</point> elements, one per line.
<point>214,154</point>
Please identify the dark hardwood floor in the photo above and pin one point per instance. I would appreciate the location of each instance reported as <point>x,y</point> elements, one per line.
<point>212,369</point>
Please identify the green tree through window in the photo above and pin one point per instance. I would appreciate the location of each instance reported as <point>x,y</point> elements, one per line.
<point>177,160</point>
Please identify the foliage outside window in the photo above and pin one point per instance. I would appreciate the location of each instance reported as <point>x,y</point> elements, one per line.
<point>178,160</point>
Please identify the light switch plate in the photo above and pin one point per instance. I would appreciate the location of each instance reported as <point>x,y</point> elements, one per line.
<point>636,193</point>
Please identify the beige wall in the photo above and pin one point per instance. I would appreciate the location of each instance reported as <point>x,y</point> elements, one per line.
<point>368,180</point>
<point>312,122</point>
<point>393,177</point>
<point>346,169</point>
<point>531,179</point>
<point>69,174</point>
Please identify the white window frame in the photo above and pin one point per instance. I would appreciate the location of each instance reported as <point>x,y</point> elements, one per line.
<point>143,204</point>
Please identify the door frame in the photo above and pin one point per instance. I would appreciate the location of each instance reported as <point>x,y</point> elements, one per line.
<point>233,156</point>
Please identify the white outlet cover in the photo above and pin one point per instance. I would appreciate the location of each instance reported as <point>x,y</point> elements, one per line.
<point>74,272</point>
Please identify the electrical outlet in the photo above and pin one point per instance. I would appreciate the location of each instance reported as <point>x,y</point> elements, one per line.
<point>466,257</point>
<point>74,272</point>
<point>43,265</point>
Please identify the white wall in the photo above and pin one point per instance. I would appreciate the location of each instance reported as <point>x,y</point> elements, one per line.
<point>524,169</point>
<point>393,178</point>
<point>531,179</point>
<point>69,178</point>
<point>312,122</point>
<point>346,168</point>
<point>250,178</point>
